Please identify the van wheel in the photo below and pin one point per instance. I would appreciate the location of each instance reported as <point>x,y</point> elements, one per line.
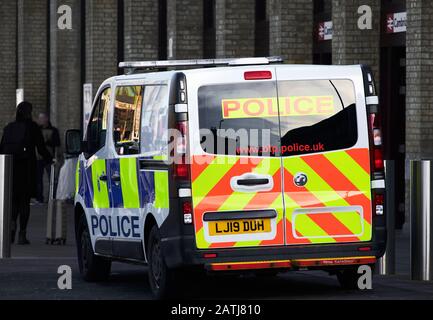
<point>92,267</point>
<point>348,279</point>
<point>161,279</point>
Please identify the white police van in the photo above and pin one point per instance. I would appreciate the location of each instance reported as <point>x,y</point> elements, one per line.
<point>243,166</point>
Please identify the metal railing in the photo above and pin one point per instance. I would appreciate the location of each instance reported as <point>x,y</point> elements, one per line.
<point>5,205</point>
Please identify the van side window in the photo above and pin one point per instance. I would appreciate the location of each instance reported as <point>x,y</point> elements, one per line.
<point>97,128</point>
<point>154,124</point>
<point>126,124</point>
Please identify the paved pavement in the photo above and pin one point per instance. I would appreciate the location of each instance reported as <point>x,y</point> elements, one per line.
<point>37,236</point>
<point>32,274</point>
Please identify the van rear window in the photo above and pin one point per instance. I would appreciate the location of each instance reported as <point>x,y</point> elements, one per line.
<point>226,128</point>
<point>266,119</point>
<point>328,116</point>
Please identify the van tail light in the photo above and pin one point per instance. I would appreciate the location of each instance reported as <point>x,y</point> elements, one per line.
<point>376,143</point>
<point>187,212</point>
<point>181,189</point>
<point>378,167</point>
<point>378,160</point>
<point>181,170</point>
<point>258,75</point>
<point>379,201</point>
<point>376,152</point>
<point>182,126</point>
<point>364,249</point>
<point>181,167</point>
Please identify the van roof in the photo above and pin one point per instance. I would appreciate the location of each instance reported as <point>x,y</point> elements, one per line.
<point>164,75</point>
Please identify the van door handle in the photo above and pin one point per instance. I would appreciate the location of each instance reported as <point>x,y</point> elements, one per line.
<point>115,177</point>
<point>253,182</point>
<point>103,178</point>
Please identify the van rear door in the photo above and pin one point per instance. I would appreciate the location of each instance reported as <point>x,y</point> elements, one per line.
<point>236,167</point>
<point>282,161</point>
<point>325,152</point>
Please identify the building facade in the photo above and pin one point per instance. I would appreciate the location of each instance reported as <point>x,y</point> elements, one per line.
<point>48,65</point>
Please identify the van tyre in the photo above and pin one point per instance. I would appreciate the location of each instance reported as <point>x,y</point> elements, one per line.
<point>92,267</point>
<point>348,279</point>
<point>161,278</point>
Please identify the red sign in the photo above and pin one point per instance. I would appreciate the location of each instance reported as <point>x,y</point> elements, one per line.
<point>324,31</point>
<point>396,22</point>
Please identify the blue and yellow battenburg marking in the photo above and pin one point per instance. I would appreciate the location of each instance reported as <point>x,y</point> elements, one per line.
<point>136,187</point>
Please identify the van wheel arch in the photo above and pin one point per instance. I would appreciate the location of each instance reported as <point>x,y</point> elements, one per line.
<point>78,213</point>
<point>148,225</point>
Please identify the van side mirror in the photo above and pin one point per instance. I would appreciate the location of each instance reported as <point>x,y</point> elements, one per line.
<point>73,142</point>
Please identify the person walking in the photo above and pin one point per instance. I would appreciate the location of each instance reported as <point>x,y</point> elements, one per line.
<point>21,139</point>
<point>52,143</point>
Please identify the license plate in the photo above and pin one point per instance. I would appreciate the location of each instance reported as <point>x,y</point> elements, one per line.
<point>230,227</point>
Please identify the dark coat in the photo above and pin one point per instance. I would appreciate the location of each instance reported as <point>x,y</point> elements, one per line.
<point>24,166</point>
<point>52,138</point>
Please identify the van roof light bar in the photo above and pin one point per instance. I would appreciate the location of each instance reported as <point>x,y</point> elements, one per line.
<point>199,63</point>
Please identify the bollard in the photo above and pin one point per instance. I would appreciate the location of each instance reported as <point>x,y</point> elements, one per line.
<point>387,263</point>
<point>5,205</point>
<point>51,237</point>
<point>420,220</point>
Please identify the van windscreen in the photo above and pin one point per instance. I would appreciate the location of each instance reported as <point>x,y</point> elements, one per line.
<point>261,119</point>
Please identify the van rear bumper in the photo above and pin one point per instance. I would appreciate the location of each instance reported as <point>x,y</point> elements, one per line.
<point>182,252</point>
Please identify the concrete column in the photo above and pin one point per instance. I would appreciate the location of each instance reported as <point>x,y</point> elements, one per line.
<point>8,22</point>
<point>290,30</point>
<point>33,52</point>
<point>419,81</point>
<point>235,28</point>
<point>185,29</point>
<point>350,44</point>
<point>65,68</point>
<point>101,41</point>
<point>419,94</point>
<point>141,29</point>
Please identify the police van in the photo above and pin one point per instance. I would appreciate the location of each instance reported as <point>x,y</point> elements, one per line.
<point>231,165</point>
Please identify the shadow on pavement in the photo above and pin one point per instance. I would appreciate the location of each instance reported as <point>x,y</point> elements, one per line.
<point>32,274</point>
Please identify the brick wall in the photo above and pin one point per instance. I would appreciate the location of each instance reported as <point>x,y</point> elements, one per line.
<point>101,41</point>
<point>8,14</point>
<point>290,30</point>
<point>290,25</point>
<point>351,45</point>
<point>185,29</point>
<point>141,29</point>
<point>65,69</point>
<point>235,28</point>
<point>33,52</point>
